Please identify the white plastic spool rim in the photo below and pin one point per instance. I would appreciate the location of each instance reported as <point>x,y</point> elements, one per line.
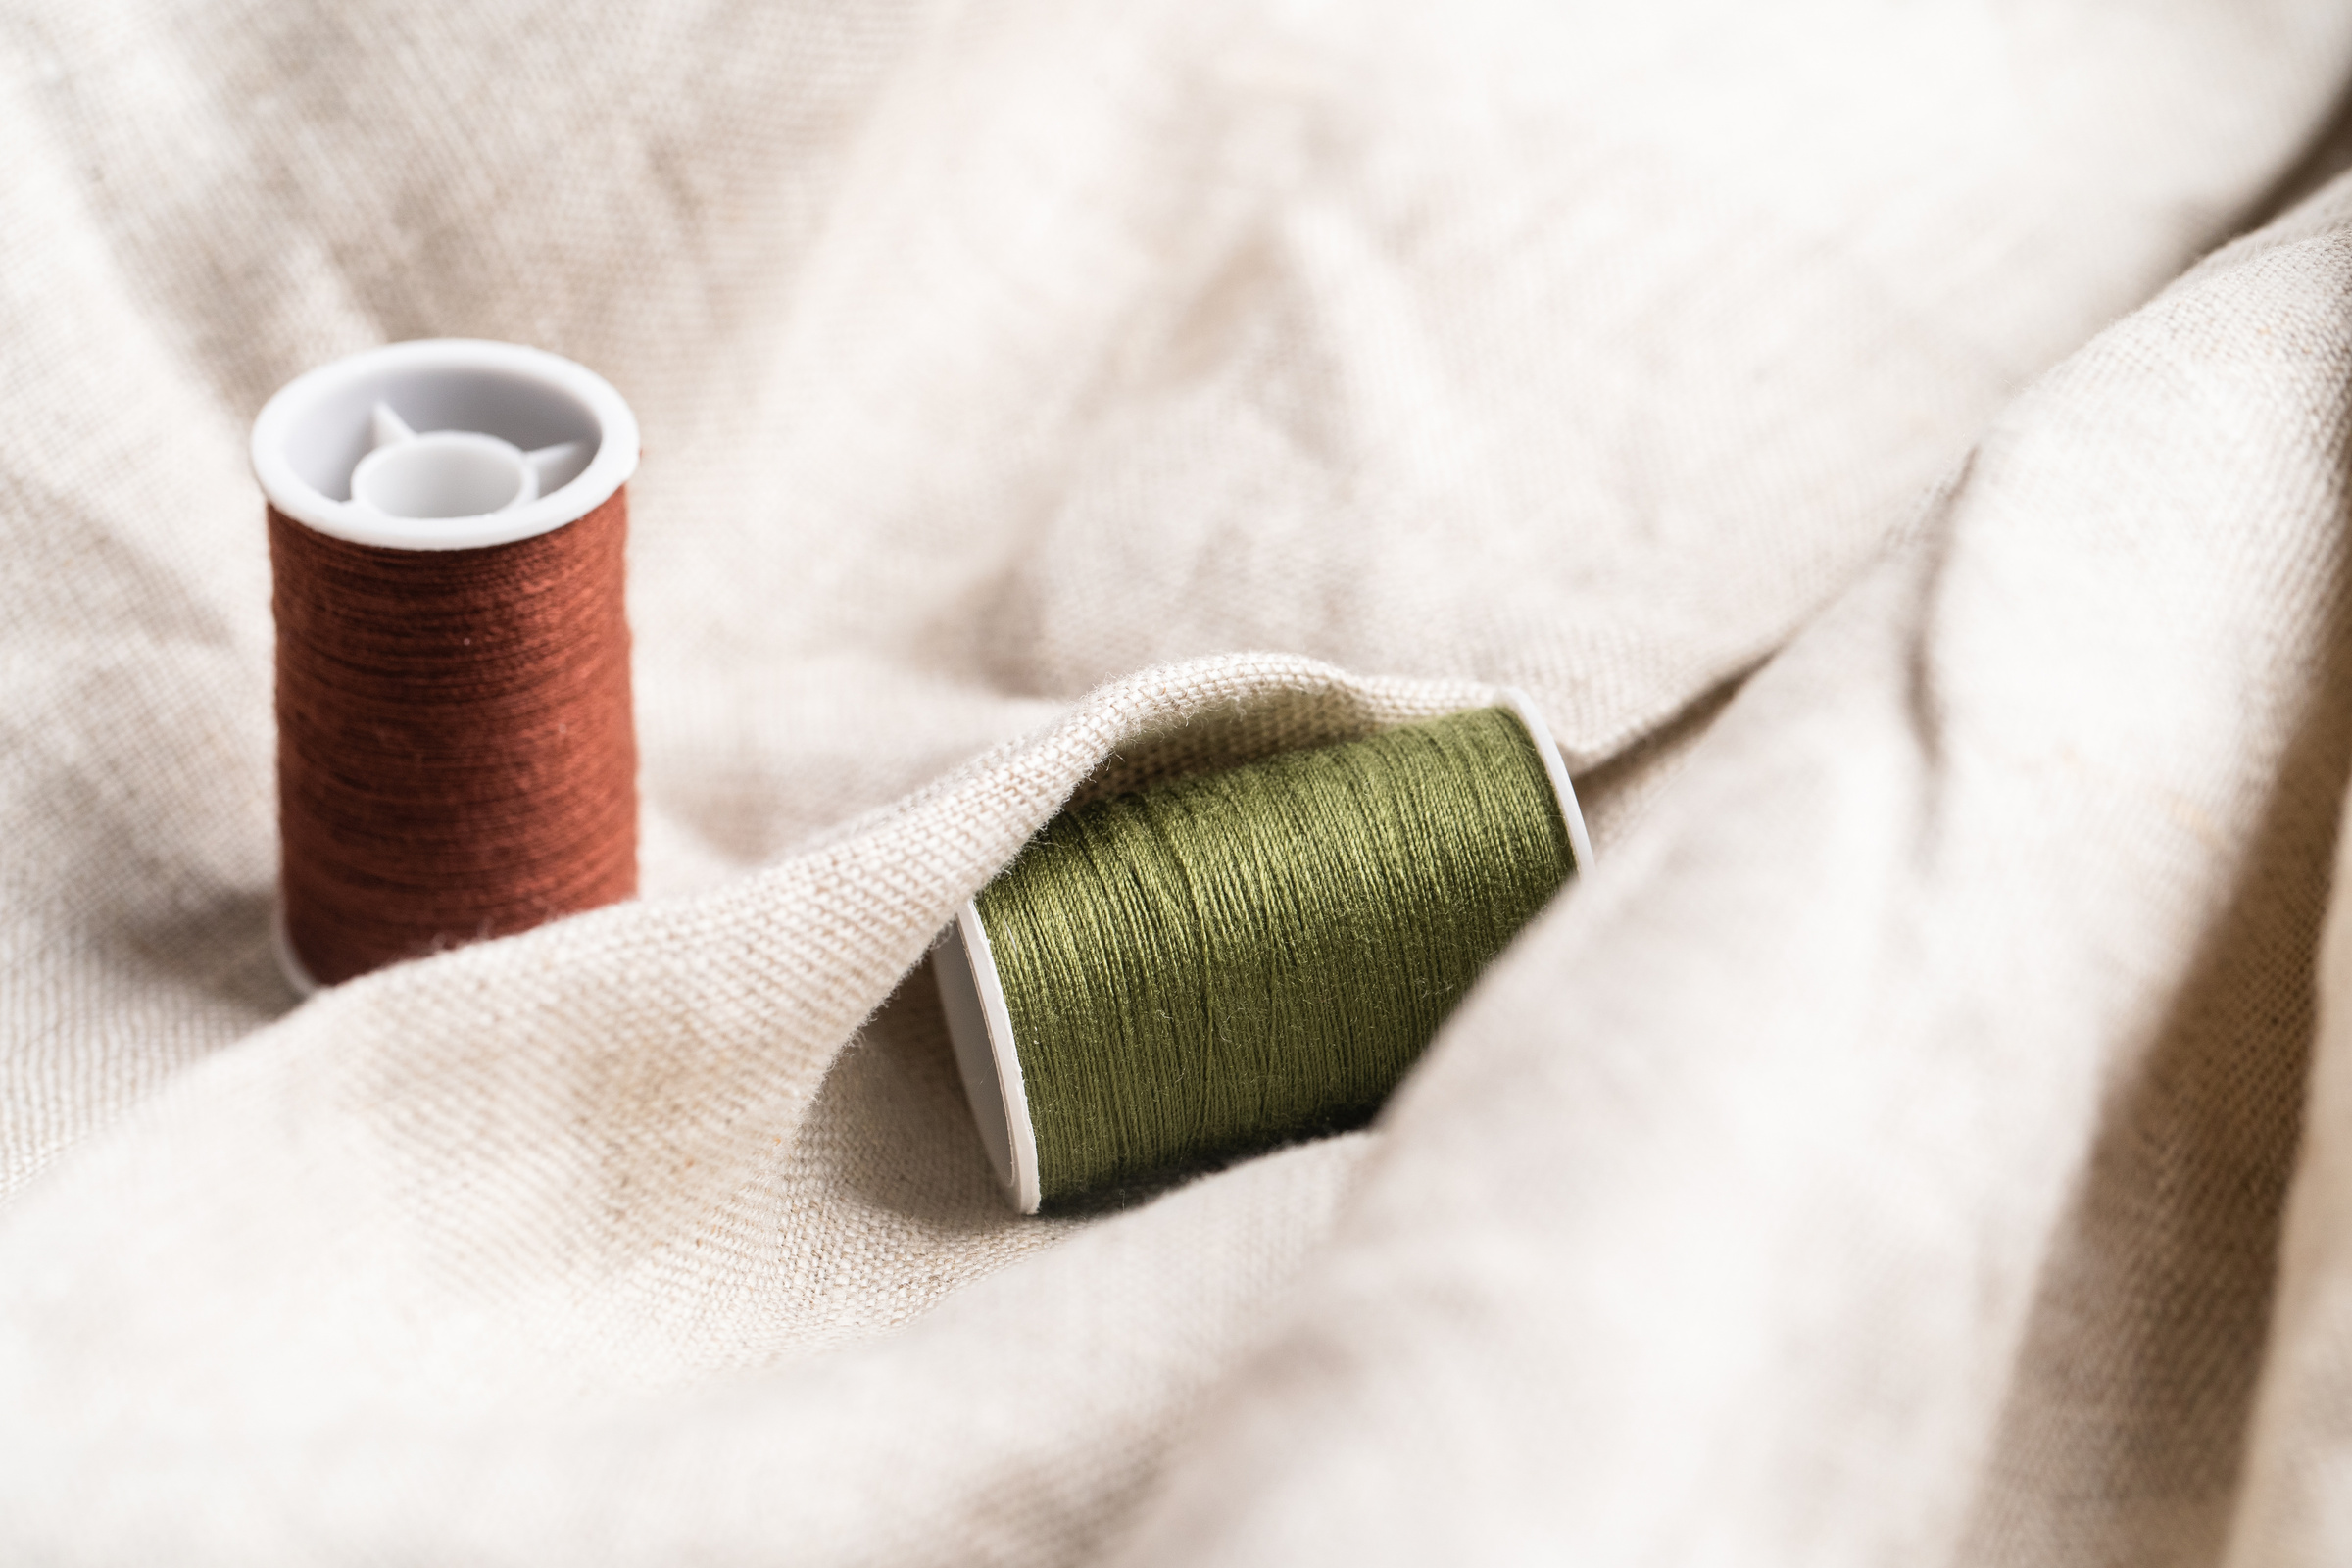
<point>987,1058</point>
<point>444,444</point>
<point>282,946</point>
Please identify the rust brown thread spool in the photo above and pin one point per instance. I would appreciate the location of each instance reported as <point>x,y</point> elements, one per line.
<point>457,749</point>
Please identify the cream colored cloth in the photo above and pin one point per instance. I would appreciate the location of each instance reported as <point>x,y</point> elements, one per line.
<point>1884,1155</point>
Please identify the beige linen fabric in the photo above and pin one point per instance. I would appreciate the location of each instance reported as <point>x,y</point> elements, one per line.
<point>1880,1157</point>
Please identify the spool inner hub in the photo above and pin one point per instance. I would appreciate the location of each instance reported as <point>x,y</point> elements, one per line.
<point>449,473</point>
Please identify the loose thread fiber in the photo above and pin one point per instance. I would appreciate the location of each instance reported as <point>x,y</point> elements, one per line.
<point>457,750</point>
<point>1214,966</point>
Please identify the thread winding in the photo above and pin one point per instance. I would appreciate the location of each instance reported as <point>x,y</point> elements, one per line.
<point>1216,965</point>
<point>457,747</point>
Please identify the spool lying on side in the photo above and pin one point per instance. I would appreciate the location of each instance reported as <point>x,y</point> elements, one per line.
<point>457,751</point>
<point>1028,1133</point>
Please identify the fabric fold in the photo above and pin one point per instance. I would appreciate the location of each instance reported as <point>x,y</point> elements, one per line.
<point>1881,1157</point>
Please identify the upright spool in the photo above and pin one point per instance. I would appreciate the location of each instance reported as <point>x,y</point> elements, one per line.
<point>1114,954</point>
<point>457,750</point>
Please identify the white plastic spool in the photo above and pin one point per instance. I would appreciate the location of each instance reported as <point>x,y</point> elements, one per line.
<point>440,444</point>
<point>988,1056</point>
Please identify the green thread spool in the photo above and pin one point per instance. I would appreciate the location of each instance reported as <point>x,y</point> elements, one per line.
<point>1176,976</point>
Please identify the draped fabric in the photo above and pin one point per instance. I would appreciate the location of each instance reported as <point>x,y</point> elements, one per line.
<point>1900,448</point>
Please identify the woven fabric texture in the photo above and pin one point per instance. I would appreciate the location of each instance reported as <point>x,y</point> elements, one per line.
<point>1901,449</point>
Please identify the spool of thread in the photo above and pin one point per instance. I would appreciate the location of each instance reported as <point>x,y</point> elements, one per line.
<point>1176,976</point>
<point>457,751</point>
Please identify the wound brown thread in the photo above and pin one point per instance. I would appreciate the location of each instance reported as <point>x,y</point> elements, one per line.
<point>457,747</point>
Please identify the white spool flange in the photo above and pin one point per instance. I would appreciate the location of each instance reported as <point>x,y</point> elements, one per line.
<point>987,1058</point>
<point>444,444</point>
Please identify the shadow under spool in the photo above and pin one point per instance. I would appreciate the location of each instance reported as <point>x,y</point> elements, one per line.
<point>456,746</point>
<point>1174,977</point>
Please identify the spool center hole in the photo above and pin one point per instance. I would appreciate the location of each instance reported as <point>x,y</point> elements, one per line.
<point>449,474</point>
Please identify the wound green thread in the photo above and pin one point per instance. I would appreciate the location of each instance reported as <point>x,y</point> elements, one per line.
<point>1233,960</point>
